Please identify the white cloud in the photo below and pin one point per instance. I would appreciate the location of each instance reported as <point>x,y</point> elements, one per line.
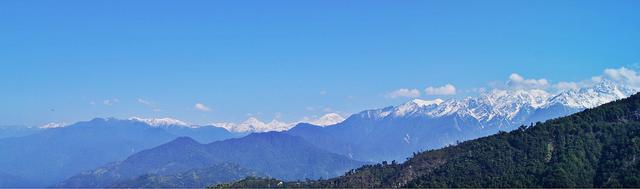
<point>323,93</point>
<point>518,82</point>
<point>564,85</point>
<point>202,107</point>
<point>110,102</point>
<point>447,89</point>
<point>406,93</point>
<point>623,75</point>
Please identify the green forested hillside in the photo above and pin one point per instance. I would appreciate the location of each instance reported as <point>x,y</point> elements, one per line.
<point>196,178</point>
<point>598,147</point>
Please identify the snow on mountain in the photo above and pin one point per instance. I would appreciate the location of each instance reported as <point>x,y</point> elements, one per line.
<point>497,107</point>
<point>161,122</point>
<point>416,105</point>
<point>328,119</point>
<point>495,104</point>
<point>53,125</point>
<point>253,124</point>
<point>424,103</point>
<point>504,105</point>
<point>591,97</point>
<point>395,132</point>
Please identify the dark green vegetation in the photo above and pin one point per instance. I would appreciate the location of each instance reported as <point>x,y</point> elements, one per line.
<point>196,178</point>
<point>253,182</point>
<point>598,147</point>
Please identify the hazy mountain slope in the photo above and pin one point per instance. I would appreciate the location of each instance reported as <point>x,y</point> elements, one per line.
<point>204,134</point>
<point>7,179</point>
<point>274,154</point>
<point>52,155</point>
<point>594,148</point>
<point>16,131</point>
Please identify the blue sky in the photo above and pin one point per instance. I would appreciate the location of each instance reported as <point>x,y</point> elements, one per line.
<point>75,60</point>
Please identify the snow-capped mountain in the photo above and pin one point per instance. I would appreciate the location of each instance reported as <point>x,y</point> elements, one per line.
<point>162,122</point>
<point>327,120</point>
<point>397,131</point>
<point>603,92</point>
<point>504,107</point>
<point>255,125</point>
<point>53,125</point>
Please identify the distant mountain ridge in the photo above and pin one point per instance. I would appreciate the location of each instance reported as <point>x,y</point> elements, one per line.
<point>48,156</point>
<point>253,124</point>
<point>162,122</point>
<point>273,154</point>
<point>7,131</point>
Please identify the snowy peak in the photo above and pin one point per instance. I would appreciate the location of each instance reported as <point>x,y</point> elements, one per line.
<point>506,98</point>
<point>161,122</point>
<point>328,119</point>
<point>53,125</point>
<point>414,106</point>
<point>590,97</point>
<point>253,121</point>
<point>504,106</point>
<point>253,124</point>
<point>423,103</point>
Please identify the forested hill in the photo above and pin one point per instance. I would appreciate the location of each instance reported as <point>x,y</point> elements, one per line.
<point>597,147</point>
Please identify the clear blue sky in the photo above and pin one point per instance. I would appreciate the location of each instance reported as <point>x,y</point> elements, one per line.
<point>60,60</point>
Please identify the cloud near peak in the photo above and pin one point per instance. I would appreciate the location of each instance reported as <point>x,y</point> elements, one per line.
<point>622,75</point>
<point>447,89</point>
<point>518,82</point>
<point>404,93</point>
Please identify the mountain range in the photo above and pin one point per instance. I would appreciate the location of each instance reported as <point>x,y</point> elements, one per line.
<point>45,156</point>
<point>593,148</point>
<point>273,154</point>
<point>49,155</point>
<point>395,132</point>
<point>253,124</point>
<point>16,131</point>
